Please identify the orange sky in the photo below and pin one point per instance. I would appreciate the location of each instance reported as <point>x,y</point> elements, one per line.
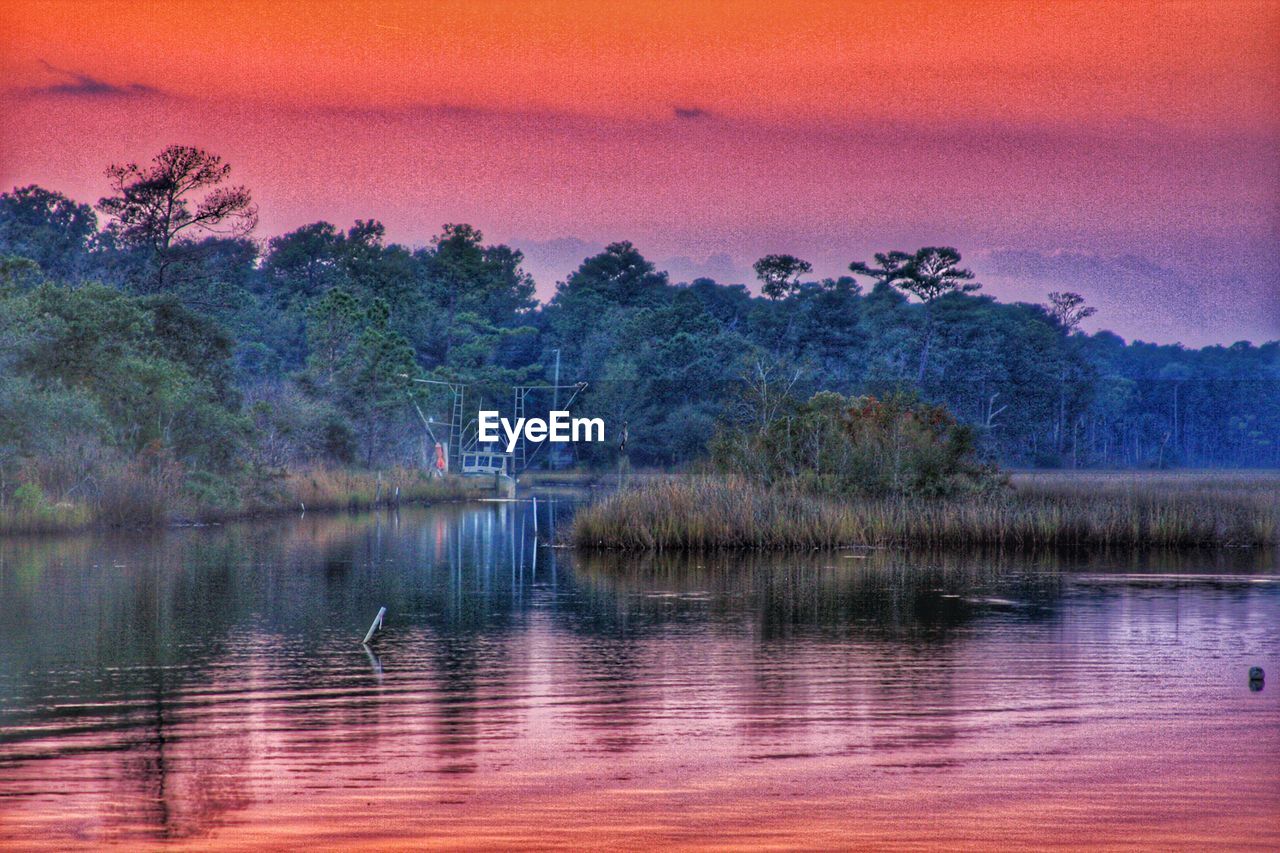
<point>1190,66</point>
<point>828,129</point>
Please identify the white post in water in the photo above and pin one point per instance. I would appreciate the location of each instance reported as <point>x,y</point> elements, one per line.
<point>377,623</point>
<point>535,516</point>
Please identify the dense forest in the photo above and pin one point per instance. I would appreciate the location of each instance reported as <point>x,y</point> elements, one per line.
<point>154,324</point>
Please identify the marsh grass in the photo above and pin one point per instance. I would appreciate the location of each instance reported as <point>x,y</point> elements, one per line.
<point>131,497</point>
<point>50,518</point>
<point>1112,510</point>
<point>344,489</point>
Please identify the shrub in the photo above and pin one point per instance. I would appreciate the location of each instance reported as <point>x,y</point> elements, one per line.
<point>858,446</point>
<point>210,491</point>
<point>29,497</point>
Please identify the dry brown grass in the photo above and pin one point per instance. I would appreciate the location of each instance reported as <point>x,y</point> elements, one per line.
<point>1123,510</point>
<point>324,488</point>
<point>127,498</point>
<point>45,519</point>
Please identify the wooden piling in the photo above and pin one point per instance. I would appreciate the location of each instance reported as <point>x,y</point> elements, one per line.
<point>377,623</point>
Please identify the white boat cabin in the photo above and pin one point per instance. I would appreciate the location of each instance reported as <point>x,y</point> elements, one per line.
<point>485,462</point>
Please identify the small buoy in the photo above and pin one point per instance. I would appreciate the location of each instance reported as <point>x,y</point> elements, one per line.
<point>1256,673</point>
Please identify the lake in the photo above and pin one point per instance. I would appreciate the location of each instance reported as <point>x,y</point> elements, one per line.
<point>207,688</point>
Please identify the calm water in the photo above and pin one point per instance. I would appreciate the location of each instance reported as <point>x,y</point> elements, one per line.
<point>207,688</point>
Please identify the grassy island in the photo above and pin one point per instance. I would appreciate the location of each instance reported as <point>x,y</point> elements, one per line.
<point>1123,510</point>
<point>1034,511</point>
<point>835,471</point>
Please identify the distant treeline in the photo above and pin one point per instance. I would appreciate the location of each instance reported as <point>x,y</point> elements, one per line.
<point>153,324</point>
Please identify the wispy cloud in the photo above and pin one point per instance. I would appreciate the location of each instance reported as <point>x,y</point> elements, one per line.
<point>690,112</point>
<point>78,84</point>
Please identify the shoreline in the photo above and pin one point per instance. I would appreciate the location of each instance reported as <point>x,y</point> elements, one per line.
<point>321,491</point>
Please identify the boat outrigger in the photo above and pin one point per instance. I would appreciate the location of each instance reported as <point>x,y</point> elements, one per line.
<point>461,450</point>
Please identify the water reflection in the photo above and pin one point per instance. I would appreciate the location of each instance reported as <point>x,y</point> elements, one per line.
<point>209,684</point>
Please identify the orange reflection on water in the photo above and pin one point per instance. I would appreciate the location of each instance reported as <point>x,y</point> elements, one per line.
<point>549,750</point>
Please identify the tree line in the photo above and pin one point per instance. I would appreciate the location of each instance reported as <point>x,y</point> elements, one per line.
<point>152,324</point>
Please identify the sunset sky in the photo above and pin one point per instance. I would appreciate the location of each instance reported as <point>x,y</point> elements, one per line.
<point>1128,151</point>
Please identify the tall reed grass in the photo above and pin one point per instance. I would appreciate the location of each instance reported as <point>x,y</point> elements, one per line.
<point>1118,510</point>
<point>130,497</point>
<point>50,518</point>
<point>327,488</point>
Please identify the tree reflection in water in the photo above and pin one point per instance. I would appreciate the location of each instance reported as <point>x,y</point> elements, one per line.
<point>198,683</point>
